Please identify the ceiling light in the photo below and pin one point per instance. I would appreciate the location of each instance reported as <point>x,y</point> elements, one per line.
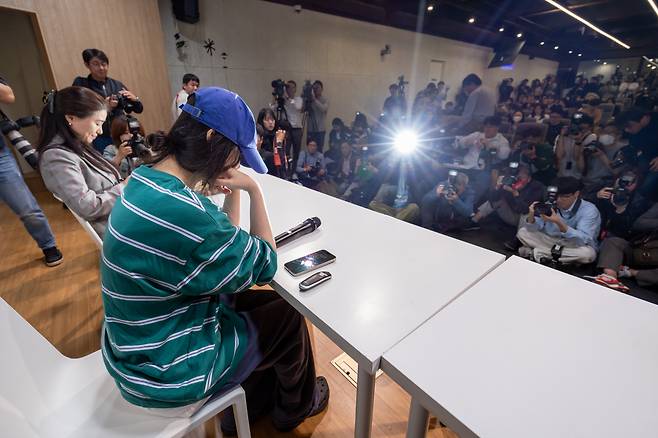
<point>471,20</point>
<point>542,43</point>
<point>501,29</point>
<point>570,52</point>
<point>430,8</point>
<point>605,63</point>
<point>580,54</point>
<point>556,47</point>
<point>652,3</point>
<point>648,65</point>
<point>587,23</point>
<point>519,35</point>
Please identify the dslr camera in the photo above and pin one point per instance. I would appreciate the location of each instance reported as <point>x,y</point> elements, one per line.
<point>546,208</point>
<point>449,189</point>
<point>137,142</point>
<point>621,195</point>
<point>123,103</point>
<point>11,130</point>
<point>510,178</point>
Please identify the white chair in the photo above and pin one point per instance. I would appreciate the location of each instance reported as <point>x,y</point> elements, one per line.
<point>45,394</point>
<point>86,226</point>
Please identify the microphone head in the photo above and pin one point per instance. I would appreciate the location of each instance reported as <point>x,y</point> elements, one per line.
<point>316,222</point>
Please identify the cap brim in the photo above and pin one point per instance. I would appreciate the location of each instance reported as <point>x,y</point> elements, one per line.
<point>253,159</point>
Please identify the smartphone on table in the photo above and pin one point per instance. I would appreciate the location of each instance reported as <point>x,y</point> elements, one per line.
<point>309,262</point>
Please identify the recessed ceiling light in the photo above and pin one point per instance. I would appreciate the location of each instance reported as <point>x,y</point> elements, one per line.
<point>471,20</point>
<point>580,54</point>
<point>605,63</point>
<point>648,65</point>
<point>430,8</point>
<point>587,23</point>
<point>570,52</point>
<point>519,35</point>
<point>501,29</point>
<point>556,47</point>
<point>542,43</point>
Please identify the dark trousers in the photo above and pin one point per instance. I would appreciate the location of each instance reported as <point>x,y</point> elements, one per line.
<point>296,136</point>
<point>614,251</point>
<point>278,371</point>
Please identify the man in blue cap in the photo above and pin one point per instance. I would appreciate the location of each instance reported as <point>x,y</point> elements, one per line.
<point>177,329</point>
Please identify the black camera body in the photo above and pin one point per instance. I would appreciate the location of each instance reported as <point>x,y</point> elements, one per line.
<point>137,142</point>
<point>278,88</point>
<point>307,92</point>
<point>11,130</point>
<point>511,174</point>
<point>621,195</point>
<point>125,104</point>
<point>546,208</point>
<point>450,189</point>
<point>591,147</point>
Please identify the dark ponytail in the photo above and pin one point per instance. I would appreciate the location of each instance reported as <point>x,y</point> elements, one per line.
<point>187,142</point>
<point>73,101</point>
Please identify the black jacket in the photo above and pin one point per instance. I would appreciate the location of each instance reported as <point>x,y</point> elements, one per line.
<point>620,224</point>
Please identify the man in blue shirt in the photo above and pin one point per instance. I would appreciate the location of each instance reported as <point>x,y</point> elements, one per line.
<point>569,234</point>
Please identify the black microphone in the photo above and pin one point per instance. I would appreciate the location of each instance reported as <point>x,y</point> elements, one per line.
<point>306,227</point>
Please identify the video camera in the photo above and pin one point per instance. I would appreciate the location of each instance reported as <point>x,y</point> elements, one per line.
<point>307,92</point>
<point>511,174</point>
<point>279,88</point>
<point>621,195</point>
<point>546,208</point>
<point>11,130</point>
<point>137,142</point>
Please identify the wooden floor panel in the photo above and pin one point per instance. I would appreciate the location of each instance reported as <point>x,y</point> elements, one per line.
<point>64,304</point>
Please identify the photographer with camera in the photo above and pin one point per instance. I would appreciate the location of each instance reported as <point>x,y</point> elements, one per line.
<point>319,105</point>
<point>620,205</point>
<point>311,166</point>
<point>633,257</point>
<point>190,84</point>
<point>71,167</point>
<point>642,127</point>
<point>449,205</point>
<point>129,148</point>
<point>564,229</point>
<point>119,99</point>
<point>395,105</point>
<point>18,197</point>
<point>288,107</point>
<point>511,197</point>
<point>537,154</point>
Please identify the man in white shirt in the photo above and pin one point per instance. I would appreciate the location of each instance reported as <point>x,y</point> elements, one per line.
<point>293,106</point>
<point>190,85</point>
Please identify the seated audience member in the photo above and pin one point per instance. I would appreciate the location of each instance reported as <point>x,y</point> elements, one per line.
<point>449,205</point>
<point>343,170</point>
<point>554,124</point>
<point>120,153</point>
<point>617,258</point>
<point>642,127</point>
<point>480,104</point>
<point>538,114</point>
<point>537,154</point>
<point>591,107</point>
<point>72,169</point>
<point>311,166</point>
<point>196,265</point>
<point>511,198</point>
<point>113,91</point>
<point>595,155</point>
<point>620,205</point>
<point>190,84</point>
<point>360,129</point>
<point>569,234</point>
<point>338,134</point>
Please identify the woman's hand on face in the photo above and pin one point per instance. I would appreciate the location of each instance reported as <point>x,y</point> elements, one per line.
<point>233,179</point>
<point>124,150</point>
<point>112,101</point>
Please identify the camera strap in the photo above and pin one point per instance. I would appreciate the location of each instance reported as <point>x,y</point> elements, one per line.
<point>574,209</point>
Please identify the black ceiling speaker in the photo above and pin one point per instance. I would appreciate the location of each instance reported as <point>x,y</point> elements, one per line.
<point>186,11</point>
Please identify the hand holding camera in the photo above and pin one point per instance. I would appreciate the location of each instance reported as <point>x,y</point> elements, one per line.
<point>124,150</point>
<point>605,193</point>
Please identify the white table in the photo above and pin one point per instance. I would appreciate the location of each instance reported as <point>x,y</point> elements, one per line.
<point>389,276</point>
<point>533,352</point>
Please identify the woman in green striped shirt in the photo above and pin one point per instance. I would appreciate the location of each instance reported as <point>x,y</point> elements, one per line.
<point>180,321</point>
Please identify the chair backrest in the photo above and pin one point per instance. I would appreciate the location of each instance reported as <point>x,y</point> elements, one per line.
<point>85,226</point>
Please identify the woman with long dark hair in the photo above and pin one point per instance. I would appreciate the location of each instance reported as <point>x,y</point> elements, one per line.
<point>72,169</point>
<point>275,157</point>
<point>180,322</point>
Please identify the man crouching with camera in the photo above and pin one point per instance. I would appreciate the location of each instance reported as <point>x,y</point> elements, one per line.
<point>564,229</point>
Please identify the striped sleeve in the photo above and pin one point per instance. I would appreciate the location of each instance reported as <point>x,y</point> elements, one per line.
<point>229,260</point>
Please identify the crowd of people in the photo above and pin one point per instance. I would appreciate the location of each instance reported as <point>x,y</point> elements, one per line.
<point>573,169</point>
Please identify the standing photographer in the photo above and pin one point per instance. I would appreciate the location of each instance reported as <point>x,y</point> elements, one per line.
<point>319,108</point>
<point>293,110</point>
<point>190,84</point>
<point>15,193</point>
<point>117,96</point>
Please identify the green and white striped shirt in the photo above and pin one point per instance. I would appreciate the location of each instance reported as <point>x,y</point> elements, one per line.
<point>168,253</point>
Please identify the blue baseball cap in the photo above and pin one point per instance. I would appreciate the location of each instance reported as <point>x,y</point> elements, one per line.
<point>226,113</point>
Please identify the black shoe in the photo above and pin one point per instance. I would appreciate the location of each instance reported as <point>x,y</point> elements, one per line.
<point>319,405</point>
<point>471,225</point>
<point>53,256</point>
<point>512,245</point>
